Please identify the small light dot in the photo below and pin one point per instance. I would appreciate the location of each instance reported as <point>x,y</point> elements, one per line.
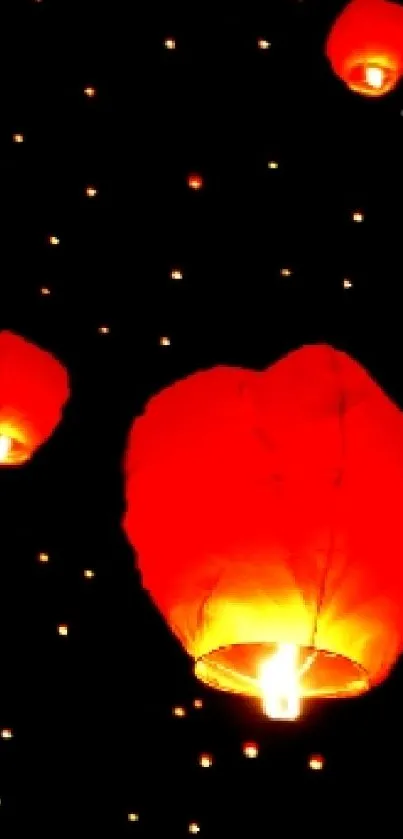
<point>63,629</point>
<point>316,762</point>
<point>250,750</point>
<point>133,817</point>
<point>194,827</point>
<point>179,711</point>
<point>89,574</point>
<point>263,44</point>
<point>195,181</point>
<point>358,216</point>
<point>18,138</point>
<point>272,164</point>
<point>45,291</point>
<point>54,240</point>
<point>170,43</point>
<point>286,272</point>
<point>205,761</point>
<point>90,92</point>
<point>104,330</point>
<point>198,703</point>
<point>43,557</point>
<point>176,274</point>
<point>165,341</point>
<point>7,734</point>
<point>91,191</point>
<point>347,283</point>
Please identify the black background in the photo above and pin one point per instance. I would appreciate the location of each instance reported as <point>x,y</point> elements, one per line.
<point>94,737</point>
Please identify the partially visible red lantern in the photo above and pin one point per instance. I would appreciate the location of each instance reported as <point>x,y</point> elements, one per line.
<point>195,181</point>
<point>33,390</point>
<point>266,511</point>
<point>365,46</point>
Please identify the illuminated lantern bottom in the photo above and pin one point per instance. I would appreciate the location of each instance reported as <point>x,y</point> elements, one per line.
<point>372,75</point>
<point>16,442</point>
<point>265,508</point>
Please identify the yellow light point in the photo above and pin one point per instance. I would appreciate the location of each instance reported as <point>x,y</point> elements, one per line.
<point>89,574</point>
<point>179,711</point>
<point>5,447</point>
<point>347,284</point>
<point>165,341</point>
<point>286,272</point>
<point>170,43</point>
<point>316,762</point>
<point>45,291</point>
<point>358,217</point>
<point>263,44</point>
<point>198,703</point>
<point>54,240</point>
<point>205,761</point>
<point>279,681</point>
<point>91,191</point>
<point>43,557</point>
<point>194,827</point>
<point>133,817</point>
<point>272,164</point>
<point>176,274</point>
<point>374,77</point>
<point>63,629</point>
<point>18,138</point>
<point>104,330</point>
<point>90,92</point>
<point>6,734</point>
<point>250,750</point>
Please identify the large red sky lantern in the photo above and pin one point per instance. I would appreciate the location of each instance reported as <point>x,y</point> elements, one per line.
<point>33,390</point>
<point>265,508</point>
<point>365,46</point>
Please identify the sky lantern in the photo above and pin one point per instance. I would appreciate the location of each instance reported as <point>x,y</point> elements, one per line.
<point>265,509</point>
<point>33,390</point>
<point>195,181</point>
<point>365,46</point>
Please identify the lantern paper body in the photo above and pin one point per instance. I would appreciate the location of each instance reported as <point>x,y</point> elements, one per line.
<point>266,508</point>
<point>33,389</point>
<point>365,46</point>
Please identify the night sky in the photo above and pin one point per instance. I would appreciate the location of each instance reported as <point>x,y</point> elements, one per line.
<point>94,735</point>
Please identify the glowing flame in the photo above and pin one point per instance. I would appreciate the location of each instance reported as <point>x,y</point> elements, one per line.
<point>279,681</point>
<point>374,77</point>
<point>5,447</point>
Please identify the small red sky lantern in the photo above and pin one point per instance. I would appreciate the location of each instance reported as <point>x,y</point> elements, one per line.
<point>33,390</point>
<point>265,508</point>
<point>365,46</point>
<point>195,181</point>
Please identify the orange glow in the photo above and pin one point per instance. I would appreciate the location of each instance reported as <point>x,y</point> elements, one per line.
<point>33,391</point>
<point>195,181</point>
<point>281,525</point>
<point>6,734</point>
<point>43,557</point>
<point>250,750</point>
<point>165,341</point>
<point>63,629</point>
<point>194,827</point>
<point>279,680</point>
<point>286,272</point>
<point>133,817</point>
<point>365,46</point>
<point>18,138</point>
<point>316,762</point>
<point>91,191</point>
<point>104,330</point>
<point>176,274</point>
<point>90,92</point>
<point>263,44</point>
<point>358,217</point>
<point>347,283</point>
<point>54,240</point>
<point>89,574</point>
<point>198,703</point>
<point>170,43</point>
<point>45,291</point>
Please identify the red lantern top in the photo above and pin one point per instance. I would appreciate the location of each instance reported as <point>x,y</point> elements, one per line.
<point>365,46</point>
<point>266,512</point>
<point>33,389</point>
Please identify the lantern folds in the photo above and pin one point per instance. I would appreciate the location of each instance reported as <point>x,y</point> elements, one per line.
<point>365,46</point>
<point>265,508</point>
<point>33,390</point>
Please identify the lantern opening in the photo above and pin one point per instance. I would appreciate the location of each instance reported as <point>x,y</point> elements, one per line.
<point>372,76</point>
<point>5,447</point>
<point>13,451</point>
<point>281,675</point>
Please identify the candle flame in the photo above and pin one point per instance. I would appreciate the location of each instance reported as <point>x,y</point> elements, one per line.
<point>374,77</point>
<point>5,447</point>
<point>279,681</point>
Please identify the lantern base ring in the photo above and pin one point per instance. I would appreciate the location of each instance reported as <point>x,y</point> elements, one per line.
<point>324,674</point>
